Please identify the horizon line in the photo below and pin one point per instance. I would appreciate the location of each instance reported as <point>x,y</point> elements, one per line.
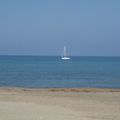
<point>70,56</point>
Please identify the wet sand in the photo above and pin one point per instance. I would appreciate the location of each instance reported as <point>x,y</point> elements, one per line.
<point>59,104</point>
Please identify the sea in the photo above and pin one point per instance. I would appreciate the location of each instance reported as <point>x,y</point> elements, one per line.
<point>53,72</point>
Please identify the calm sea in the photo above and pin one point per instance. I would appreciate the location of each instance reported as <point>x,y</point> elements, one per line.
<point>51,71</point>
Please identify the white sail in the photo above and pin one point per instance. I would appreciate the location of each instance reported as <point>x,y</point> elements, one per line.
<point>65,54</point>
<point>65,57</point>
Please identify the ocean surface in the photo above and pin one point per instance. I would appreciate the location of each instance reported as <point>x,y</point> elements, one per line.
<point>52,72</point>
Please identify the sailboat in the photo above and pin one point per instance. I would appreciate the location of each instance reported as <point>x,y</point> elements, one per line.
<point>65,57</point>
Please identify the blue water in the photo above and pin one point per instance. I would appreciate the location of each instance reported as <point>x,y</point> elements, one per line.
<point>47,72</point>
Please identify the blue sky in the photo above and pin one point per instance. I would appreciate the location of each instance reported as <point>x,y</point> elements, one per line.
<point>43,27</point>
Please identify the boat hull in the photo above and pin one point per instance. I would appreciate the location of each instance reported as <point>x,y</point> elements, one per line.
<point>65,58</point>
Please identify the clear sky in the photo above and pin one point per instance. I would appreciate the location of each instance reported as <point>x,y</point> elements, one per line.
<point>43,27</point>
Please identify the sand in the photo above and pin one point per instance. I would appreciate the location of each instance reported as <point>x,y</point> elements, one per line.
<point>59,104</point>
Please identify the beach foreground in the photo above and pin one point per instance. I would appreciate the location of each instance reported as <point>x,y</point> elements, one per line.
<point>59,104</point>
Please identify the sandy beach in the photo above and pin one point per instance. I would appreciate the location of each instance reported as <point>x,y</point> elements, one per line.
<point>59,104</point>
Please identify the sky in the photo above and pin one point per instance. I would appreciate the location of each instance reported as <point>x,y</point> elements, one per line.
<point>43,27</point>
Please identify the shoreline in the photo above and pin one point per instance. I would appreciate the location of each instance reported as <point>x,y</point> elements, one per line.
<point>61,89</point>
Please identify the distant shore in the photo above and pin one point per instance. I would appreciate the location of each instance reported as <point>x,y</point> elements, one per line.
<point>59,104</point>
